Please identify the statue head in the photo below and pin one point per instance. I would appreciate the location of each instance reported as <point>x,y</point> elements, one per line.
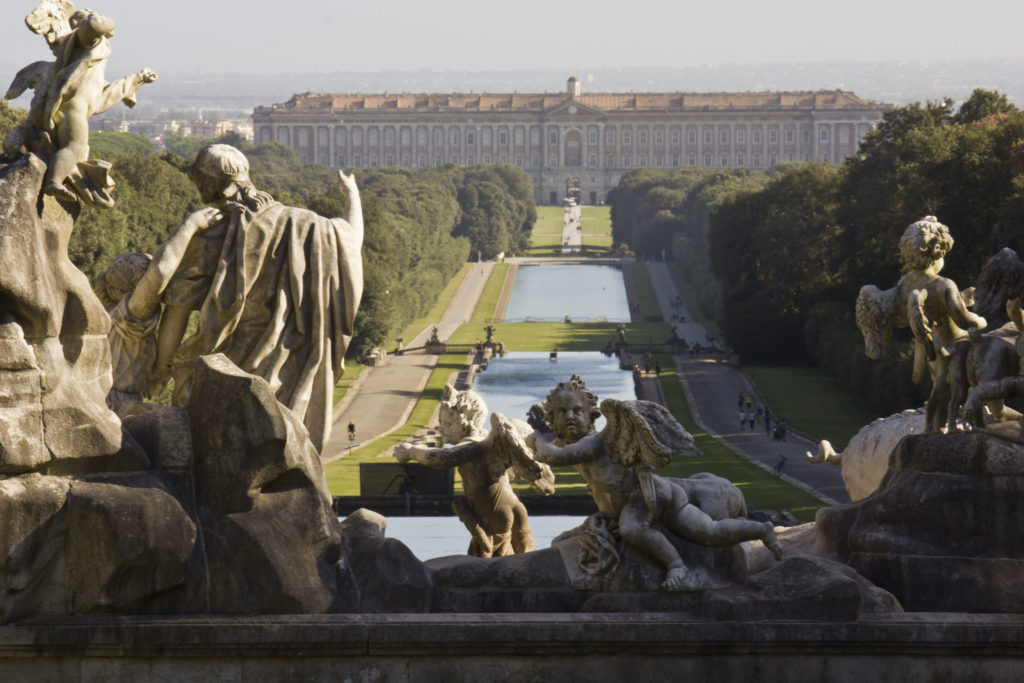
<point>570,410</point>
<point>120,278</point>
<point>461,415</point>
<point>924,244</point>
<point>220,173</point>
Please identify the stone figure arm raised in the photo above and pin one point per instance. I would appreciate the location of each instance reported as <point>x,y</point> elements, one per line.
<point>441,458</point>
<point>586,449</point>
<point>354,211</point>
<point>145,298</point>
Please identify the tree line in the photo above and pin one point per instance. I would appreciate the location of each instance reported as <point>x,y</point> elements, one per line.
<point>420,225</point>
<point>789,252</point>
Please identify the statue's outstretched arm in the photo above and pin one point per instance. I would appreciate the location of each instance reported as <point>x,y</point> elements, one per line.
<point>440,458</point>
<point>122,90</point>
<point>586,449</point>
<point>144,300</point>
<point>354,210</point>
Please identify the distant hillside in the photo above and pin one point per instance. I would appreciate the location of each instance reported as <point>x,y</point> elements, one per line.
<point>898,83</point>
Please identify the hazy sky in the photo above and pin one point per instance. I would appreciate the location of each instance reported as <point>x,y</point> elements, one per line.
<point>329,35</point>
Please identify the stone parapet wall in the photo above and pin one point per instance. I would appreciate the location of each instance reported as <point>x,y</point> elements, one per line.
<point>567,647</point>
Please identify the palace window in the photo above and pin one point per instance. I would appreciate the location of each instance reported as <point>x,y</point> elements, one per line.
<point>470,137</point>
<point>470,160</point>
<point>502,137</point>
<point>659,160</point>
<point>723,136</point>
<point>592,137</point>
<point>438,137</point>
<point>773,159</point>
<point>437,160</point>
<point>455,158</point>
<point>691,136</point>
<point>789,137</point>
<point>642,137</point>
<point>455,136</point>
<point>373,161</point>
<point>592,161</point>
<point>374,136</point>
<point>389,136</point>
<point>824,134</point>
<point>503,157</point>
<point>519,160</point>
<point>691,160</point>
<point>357,159</point>
<point>517,137</point>
<point>739,158</point>
<point>741,136</point>
<point>421,161</point>
<point>625,161</point>
<point>609,136</point>
<point>725,161</point>
<point>707,159</point>
<point>485,137</point>
<point>421,137</point>
<point>535,161</point>
<point>389,160</point>
<point>487,158</point>
<point>675,136</point>
<point>609,161</point>
<point>773,137</point>
<point>643,161</point>
<point>659,137</point>
<point>627,137</point>
<point>676,159</point>
<point>757,160</point>
<point>552,137</point>
<point>756,136</point>
<point>707,138</point>
<point>341,161</point>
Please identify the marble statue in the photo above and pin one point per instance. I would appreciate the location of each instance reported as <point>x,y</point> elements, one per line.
<point>933,307</point>
<point>495,517</point>
<point>131,289</point>
<point>67,92</point>
<point>1000,286</point>
<point>276,289</point>
<point>618,466</point>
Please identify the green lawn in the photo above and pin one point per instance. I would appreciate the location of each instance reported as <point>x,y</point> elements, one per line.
<point>761,489</point>
<point>811,401</point>
<point>644,291</point>
<point>347,379</point>
<point>436,312</point>
<point>343,474</point>
<point>689,295</point>
<point>562,336</point>
<point>597,220</point>
<point>546,239</point>
<point>489,298</point>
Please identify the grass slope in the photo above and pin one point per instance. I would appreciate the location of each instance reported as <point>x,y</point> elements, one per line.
<point>811,401</point>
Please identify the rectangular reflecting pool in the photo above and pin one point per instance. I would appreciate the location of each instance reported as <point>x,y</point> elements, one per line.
<point>430,537</point>
<point>514,382</point>
<point>584,292</point>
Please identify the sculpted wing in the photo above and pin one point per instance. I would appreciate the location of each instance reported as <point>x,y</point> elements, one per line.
<point>50,19</point>
<point>877,313</point>
<point>643,432</point>
<point>1001,279</point>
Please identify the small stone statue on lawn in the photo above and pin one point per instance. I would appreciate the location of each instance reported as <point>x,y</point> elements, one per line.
<point>618,466</point>
<point>495,517</point>
<point>67,92</point>
<point>933,307</point>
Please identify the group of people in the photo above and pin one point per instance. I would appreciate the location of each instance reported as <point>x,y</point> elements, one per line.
<point>748,417</point>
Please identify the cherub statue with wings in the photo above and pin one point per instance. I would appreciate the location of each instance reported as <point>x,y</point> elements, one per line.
<point>67,92</point>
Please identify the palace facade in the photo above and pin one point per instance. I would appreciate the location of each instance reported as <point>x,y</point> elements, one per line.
<point>571,139</point>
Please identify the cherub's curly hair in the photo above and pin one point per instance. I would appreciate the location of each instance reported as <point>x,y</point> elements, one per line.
<point>923,243</point>
<point>576,386</point>
<point>120,277</point>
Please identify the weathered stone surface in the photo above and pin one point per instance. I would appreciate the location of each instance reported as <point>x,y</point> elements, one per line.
<point>942,532</point>
<point>163,432</point>
<point>272,539</point>
<point>84,547</point>
<point>64,326</point>
<point>803,586</point>
<point>128,541</point>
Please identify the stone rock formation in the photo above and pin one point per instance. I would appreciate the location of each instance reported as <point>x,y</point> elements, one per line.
<point>54,355</point>
<point>942,532</point>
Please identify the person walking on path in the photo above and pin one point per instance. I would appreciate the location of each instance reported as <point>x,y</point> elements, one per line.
<point>743,418</point>
<point>351,431</point>
<point>767,423</point>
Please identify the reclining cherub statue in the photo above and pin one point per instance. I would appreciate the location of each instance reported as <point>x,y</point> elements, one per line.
<point>932,306</point>
<point>618,466</point>
<point>495,517</point>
